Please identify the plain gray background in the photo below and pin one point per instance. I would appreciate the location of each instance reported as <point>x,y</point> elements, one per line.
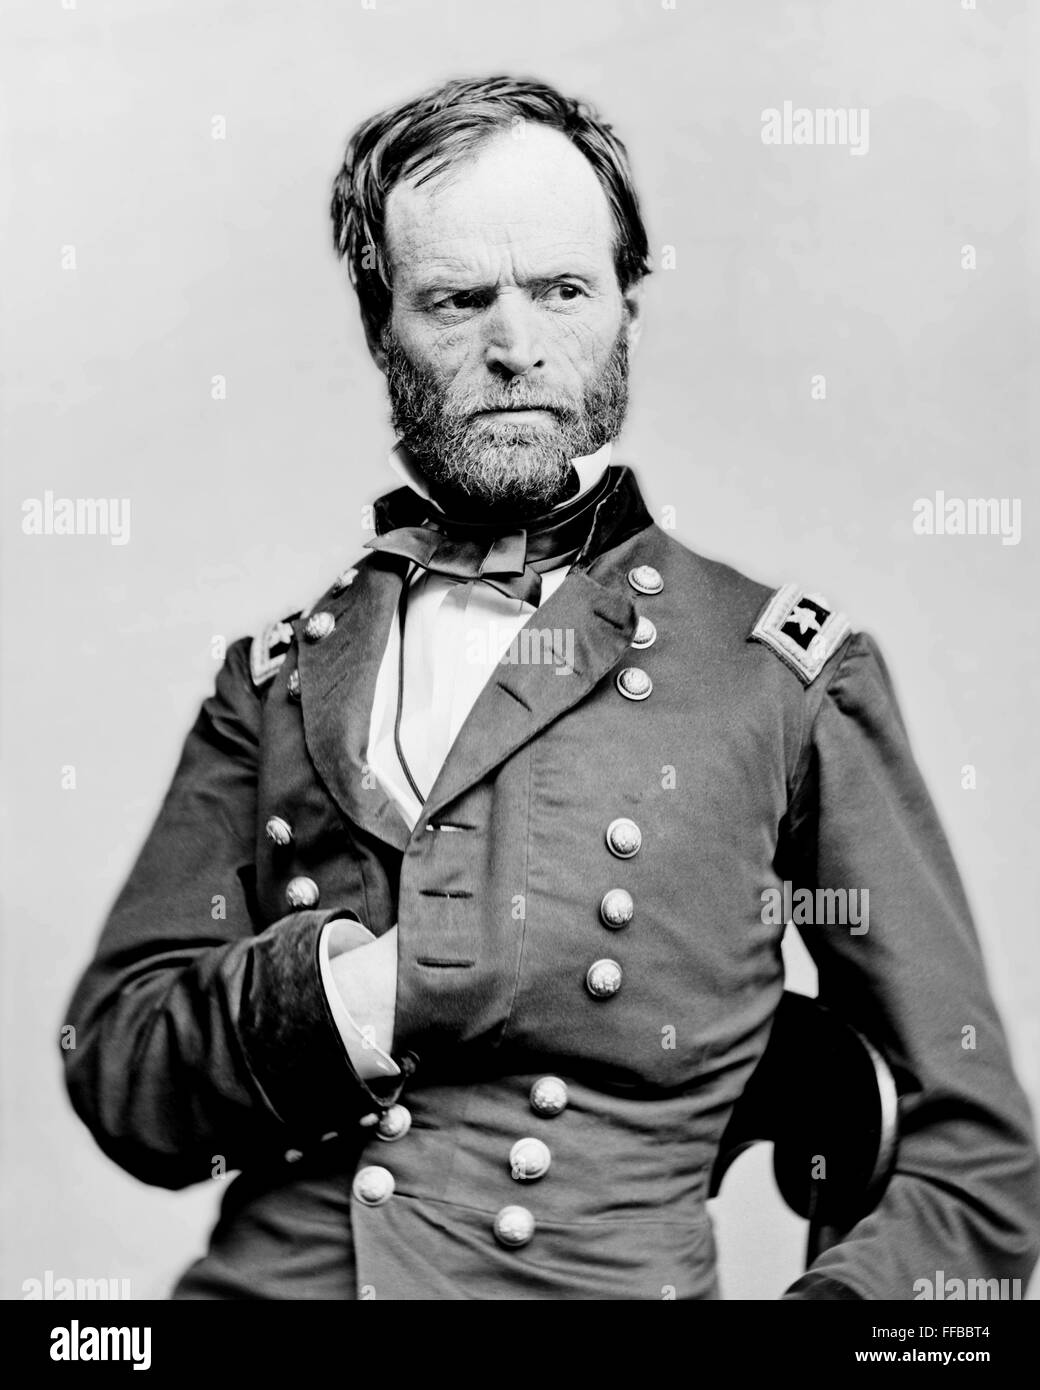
<point>198,257</point>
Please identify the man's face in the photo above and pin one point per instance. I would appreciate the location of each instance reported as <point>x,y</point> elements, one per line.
<point>506,353</point>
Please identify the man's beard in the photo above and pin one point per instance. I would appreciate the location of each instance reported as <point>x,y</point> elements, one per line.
<point>475,464</point>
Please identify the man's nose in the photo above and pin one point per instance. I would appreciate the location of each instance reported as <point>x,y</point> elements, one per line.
<point>514,343</point>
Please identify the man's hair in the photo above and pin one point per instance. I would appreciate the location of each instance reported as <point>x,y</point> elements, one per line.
<point>424,137</point>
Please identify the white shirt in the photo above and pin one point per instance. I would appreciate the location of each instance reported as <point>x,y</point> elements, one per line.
<point>455,635</point>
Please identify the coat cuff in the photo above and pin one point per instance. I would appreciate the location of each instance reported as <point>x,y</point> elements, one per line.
<point>288,1036</point>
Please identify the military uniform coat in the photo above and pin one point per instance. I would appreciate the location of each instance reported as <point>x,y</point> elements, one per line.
<point>205,1041</point>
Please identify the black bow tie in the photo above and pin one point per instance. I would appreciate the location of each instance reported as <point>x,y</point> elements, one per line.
<point>509,559</point>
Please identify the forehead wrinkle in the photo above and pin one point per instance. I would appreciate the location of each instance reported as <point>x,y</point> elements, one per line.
<point>501,256</point>
<point>529,234</point>
<point>474,249</point>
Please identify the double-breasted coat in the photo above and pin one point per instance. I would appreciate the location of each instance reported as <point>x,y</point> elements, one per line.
<point>749,758</point>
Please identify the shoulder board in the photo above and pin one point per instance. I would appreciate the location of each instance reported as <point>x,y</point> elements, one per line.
<point>269,649</point>
<point>803,629</point>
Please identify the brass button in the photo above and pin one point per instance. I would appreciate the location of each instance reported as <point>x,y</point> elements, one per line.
<point>302,892</point>
<point>278,831</point>
<point>293,685</point>
<point>394,1123</point>
<point>616,909</point>
<point>549,1096</point>
<point>603,979</point>
<point>634,683</point>
<point>645,634</point>
<point>645,579</point>
<point>624,837</point>
<point>343,581</point>
<point>514,1226</point>
<point>373,1185</point>
<point>319,625</point>
<point>529,1160</point>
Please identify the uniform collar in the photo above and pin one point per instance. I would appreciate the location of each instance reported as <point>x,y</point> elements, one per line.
<point>619,513</point>
<point>589,468</point>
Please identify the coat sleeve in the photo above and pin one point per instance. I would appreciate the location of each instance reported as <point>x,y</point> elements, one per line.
<point>201,1036</point>
<point>965,1195</point>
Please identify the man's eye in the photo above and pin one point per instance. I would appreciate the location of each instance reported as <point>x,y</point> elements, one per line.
<point>563,293</point>
<point>463,299</point>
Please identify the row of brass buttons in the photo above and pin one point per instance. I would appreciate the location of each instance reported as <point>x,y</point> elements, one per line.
<point>624,839</point>
<point>529,1160</point>
<point>632,681</point>
<point>616,909</point>
<point>301,891</point>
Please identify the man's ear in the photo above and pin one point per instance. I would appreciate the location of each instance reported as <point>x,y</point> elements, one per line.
<point>374,339</point>
<point>633,301</point>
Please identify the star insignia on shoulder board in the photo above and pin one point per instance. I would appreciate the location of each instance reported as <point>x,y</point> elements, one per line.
<point>806,619</point>
<point>803,629</point>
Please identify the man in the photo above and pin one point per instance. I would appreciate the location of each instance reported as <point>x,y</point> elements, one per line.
<point>450,932</point>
